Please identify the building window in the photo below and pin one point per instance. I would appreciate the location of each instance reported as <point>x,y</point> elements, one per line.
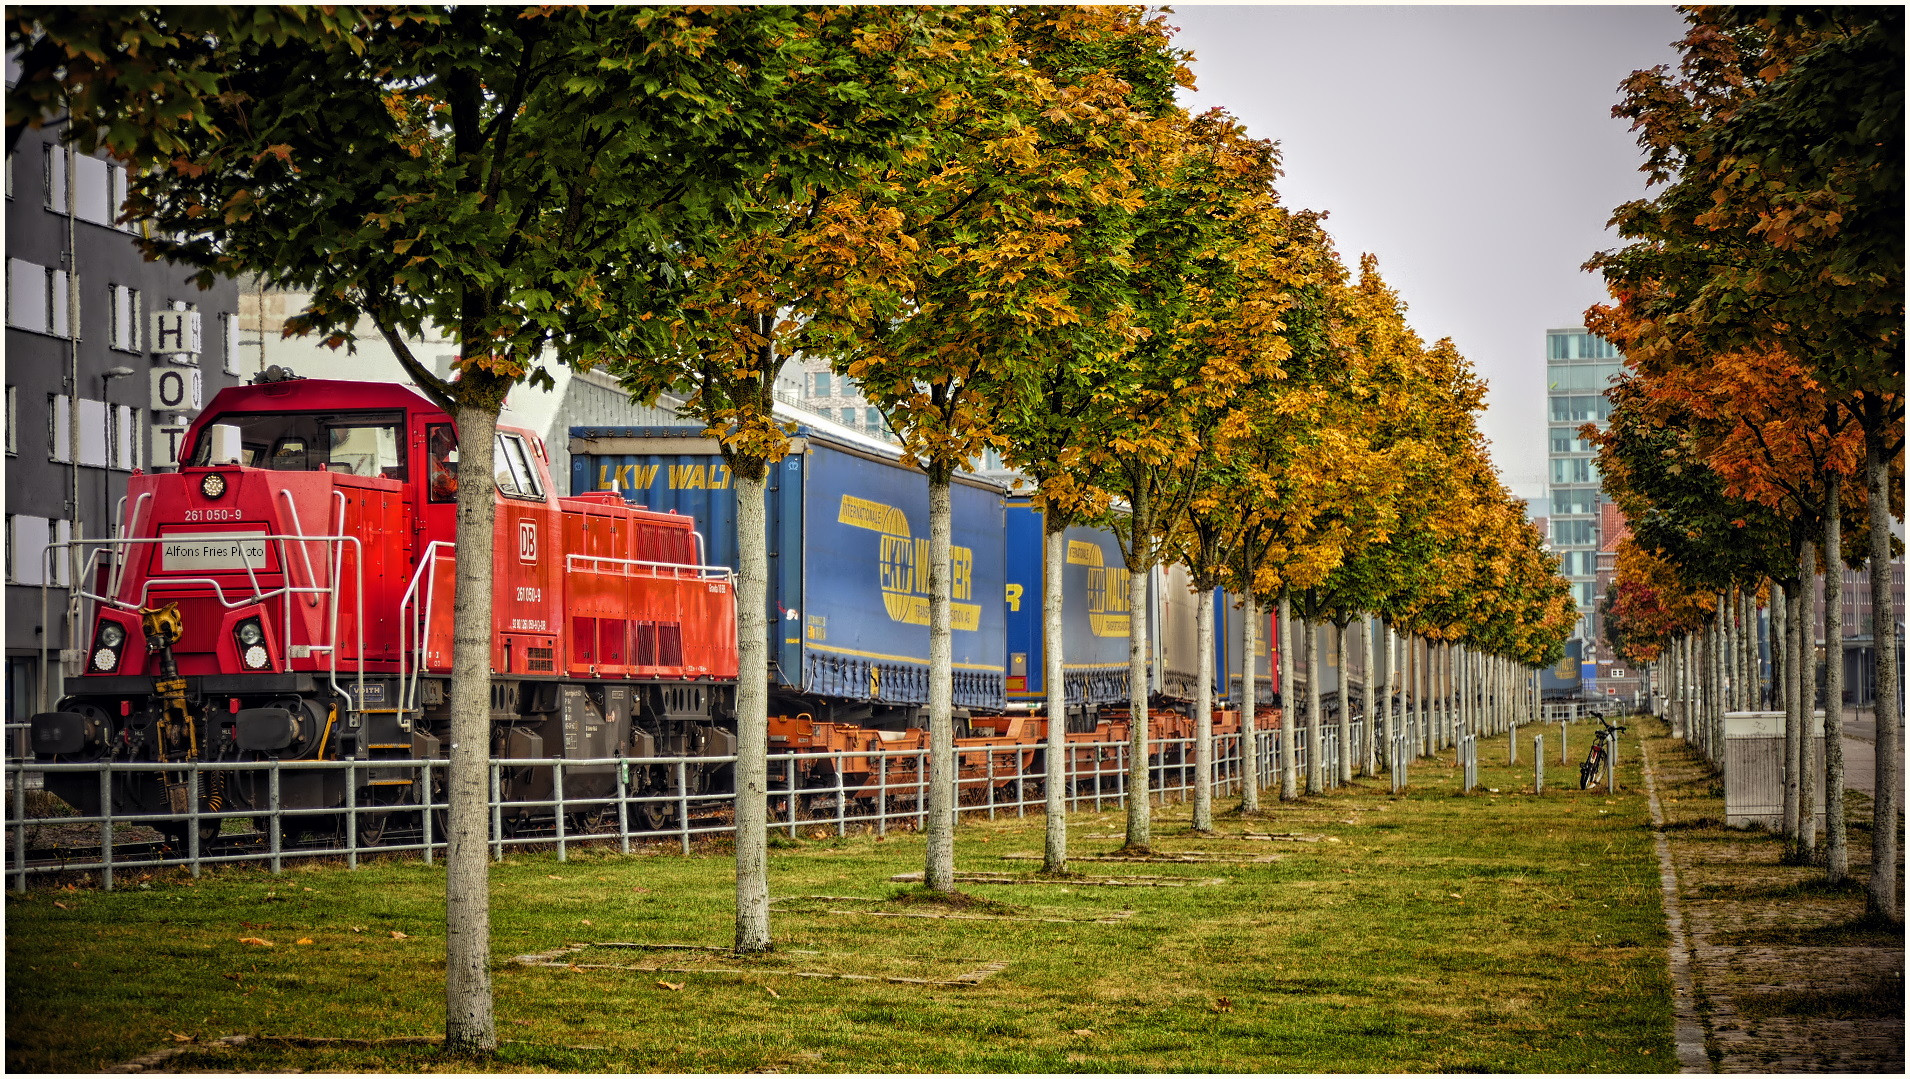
<point>94,185</point>
<point>36,297</point>
<point>1574,470</point>
<point>822,383</point>
<point>93,449</point>
<point>125,314</point>
<point>1574,500</point>
<point>1578,408</point>
<point>872,418</point>
<point>13,421</point>
<point>229,338</point>
<point>54,174</point>
<point>1579,346</point>
<point>848,417</point>
<point>125,437</point>
<point>1573,533</point>
<point>27,542</point>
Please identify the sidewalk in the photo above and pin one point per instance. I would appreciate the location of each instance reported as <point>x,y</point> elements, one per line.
<point>1783,975</point>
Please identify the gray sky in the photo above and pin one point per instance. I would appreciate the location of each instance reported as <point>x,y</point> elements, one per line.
<point>1471,148</point>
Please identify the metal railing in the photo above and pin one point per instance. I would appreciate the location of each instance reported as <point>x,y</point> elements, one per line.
<point>872,789</point>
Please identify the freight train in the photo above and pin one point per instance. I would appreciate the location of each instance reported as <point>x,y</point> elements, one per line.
<point>286,594</point>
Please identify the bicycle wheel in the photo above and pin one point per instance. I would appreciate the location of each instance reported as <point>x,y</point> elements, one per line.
<point>1591,771</point>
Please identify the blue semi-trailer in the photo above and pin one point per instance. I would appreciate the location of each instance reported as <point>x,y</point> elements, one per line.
<point>848,554</point>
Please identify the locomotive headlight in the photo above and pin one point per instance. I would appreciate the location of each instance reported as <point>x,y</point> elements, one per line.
<point>251,637</point>
<point>213,485</point>
<point>106,642</point>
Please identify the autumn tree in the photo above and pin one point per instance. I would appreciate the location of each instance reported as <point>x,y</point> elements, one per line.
<point>1779,149</point>
<point>853,89</point>
<point>989,209</point>
<point>516,178</point>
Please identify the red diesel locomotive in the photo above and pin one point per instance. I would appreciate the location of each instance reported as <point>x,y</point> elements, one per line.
<point>287,594</point>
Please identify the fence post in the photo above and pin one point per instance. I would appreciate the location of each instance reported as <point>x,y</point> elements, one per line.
<point>106,824</point>
<point>1538,764</point>
<point>557,811</point>
<point>351,814</point>
<point>1562,756</point>
<point>882,793</point>
<point>20,826</point>
<point>424,820</point>
<point>497,814</point>
<point>1611,763</point>
<point>192,817</point>
<point>1512,744</point>
<point>277,818</point>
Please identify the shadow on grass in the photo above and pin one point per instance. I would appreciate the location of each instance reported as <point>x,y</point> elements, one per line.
<point>1863,932</point>
<point>922,896</point>
<point>1867,1002</point>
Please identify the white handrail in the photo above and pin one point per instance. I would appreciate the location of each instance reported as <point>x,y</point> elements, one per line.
<point>303,551</point>
<point>572,563</point>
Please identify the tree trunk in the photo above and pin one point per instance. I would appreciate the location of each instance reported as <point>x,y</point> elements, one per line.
<point>1807,707</point>
<point>1249,702</point>
<point>1204,711</point>
<point>1054,672</point>
<point>1315,743</point>
<point>1793,704</point>
<point>1369,713</point>
<point>1836,836</point>
<point>1289,701</point>
<point>1140,823</point>
<point>939,873</point>
<point>470,1025</point>
<point>1884,900</point>
<point>1343,769</point>
<point>752,710</point>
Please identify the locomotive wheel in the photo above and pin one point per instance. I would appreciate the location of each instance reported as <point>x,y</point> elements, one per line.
<point>176,833</point>
<point>652,816</point>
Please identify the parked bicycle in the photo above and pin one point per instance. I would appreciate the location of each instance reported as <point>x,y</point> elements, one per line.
<point>1604,744</point>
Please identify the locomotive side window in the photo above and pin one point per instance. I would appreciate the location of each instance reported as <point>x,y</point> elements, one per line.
<point>359,443</point>
<point>441,445</point>
<point>515,475</point>
<point>365,450</point>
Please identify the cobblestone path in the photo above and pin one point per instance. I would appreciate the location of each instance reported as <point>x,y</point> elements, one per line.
<point>1785,974</point>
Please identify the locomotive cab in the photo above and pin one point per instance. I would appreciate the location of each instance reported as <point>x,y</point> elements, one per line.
<point>287,595</point>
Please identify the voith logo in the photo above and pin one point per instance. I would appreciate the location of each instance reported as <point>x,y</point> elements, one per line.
<point>527,541</point>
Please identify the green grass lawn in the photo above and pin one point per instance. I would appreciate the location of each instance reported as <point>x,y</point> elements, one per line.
<point>1430,932</point>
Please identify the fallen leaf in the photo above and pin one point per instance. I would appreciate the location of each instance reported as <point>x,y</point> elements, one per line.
<point>303,940</point>
<point>575,969</point>
<point>1346,870</point>
<point>1084,1032</point>
<point>772,992</point>
<point>395,935</point>
<point>259,941</point>
<point>61,905</point>
<point>640,888</point>
<point>671,986</point>
<point>1224,1004</point>
<point>522,1022</point>
<point>586,921</point>
<point>1456,895</point>
<point>178,1037</point>
<point>554,876</point>
<point>358,929</point>
<point>234,977</point>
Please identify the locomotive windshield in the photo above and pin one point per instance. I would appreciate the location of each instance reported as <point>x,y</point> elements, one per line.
<point>355,443</point>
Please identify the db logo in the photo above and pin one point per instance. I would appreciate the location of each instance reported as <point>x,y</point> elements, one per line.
<point>527,541</point>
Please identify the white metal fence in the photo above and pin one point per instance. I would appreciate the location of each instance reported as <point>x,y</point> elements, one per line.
<point>994,780</point>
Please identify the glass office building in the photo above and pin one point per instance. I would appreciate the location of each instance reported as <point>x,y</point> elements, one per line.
<point>1578,367</point>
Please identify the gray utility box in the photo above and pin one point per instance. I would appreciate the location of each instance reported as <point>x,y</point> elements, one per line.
<point>1754,768</point>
